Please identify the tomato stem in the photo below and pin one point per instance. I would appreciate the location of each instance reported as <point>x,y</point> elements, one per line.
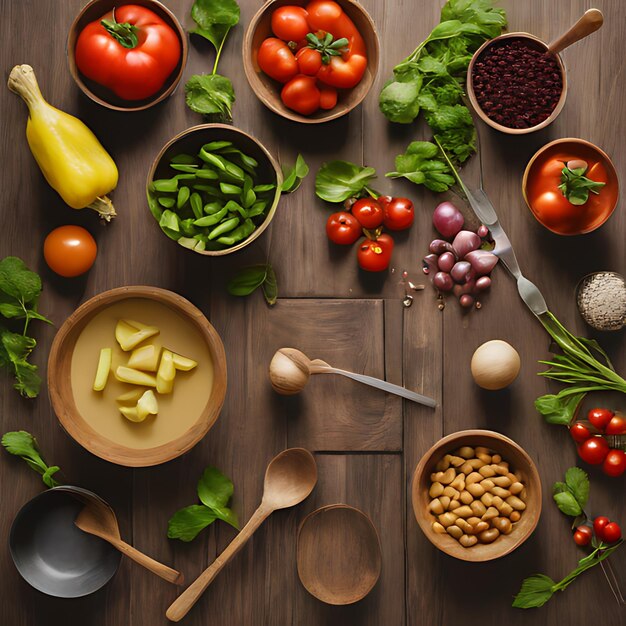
<point>124,33</point>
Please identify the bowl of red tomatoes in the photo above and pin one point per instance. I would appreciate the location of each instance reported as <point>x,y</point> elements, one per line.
<point>311,61</point>
<point>126,56</point>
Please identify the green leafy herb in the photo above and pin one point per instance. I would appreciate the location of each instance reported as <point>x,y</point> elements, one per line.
<point>249,279</point>
<point>420,164</point>
<point>293,176</point>
<point>212,95</point>
<point>582,364</point>
<point>23,444</point>
<point>337,181</point>
<point>19,294</point>
<point>214,492</point>
<point>432,79</point>
<point>575,186</point>
<point>326,46</point>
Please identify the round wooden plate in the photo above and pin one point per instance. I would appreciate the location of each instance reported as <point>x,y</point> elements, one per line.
<point>338,554</point>
<point>60,385</point>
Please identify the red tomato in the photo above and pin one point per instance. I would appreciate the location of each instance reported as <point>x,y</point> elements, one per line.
<point>368,212</point>
<point>594,450</point>
<point>70,251</point>
<point>343,228</point>
<point>598,526</point>
<point>617,426</point>
<point>277,60</point>
<point>614,463</point>
<point>583,535</point>
<point>139,67</point>
<point>579,432</point>
<point>612,532</point>
<point>309,61</point>
<point>301,94</point>
<point>399,213</point>
<point>600,418</point>
<point>290,23</point>
<point>375,256</point>
<point>328,97</point>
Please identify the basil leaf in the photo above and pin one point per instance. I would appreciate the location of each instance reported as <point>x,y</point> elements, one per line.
<point>337,181</point>
<point>292,177</point>
<point>227,515</point>
<point>557,409</point>
<point>186,523</point>
<point>23,444</point>
<point>247,280</point>
<point>578,483</point>
<point>270,286</point>
<point>210,94</point>
<point>567,503</point>
<point>535,591</point>
<point>214,18</point>
<point>214,489</point>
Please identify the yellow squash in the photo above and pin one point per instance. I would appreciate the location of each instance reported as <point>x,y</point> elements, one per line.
<point>70,156</point>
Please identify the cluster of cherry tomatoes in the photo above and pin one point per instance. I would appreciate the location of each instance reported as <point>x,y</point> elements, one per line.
<point>368,216</point>
<point>604,529</point>
<point>593,447</point>
<point>316,50</point>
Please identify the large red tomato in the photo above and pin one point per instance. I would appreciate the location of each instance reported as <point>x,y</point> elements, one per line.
<point>130,50</point>
<point>301,95</point>
<point>277,60</point>
<point>289,23</point>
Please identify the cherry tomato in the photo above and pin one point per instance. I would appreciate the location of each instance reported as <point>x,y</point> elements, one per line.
<point>343,228</point>
<point>600,418</point>
<point>309,61</point>
<point>276,60</point>
<point>375,256</point>
<point>579,432</point>
<point>328,97</point>
<point>582,536</point>
<point>614,463</point>
<point>398,214</point>
<point>369,212</point>
<point>301,95</point>
<point>594,450</point>
<point>289,23</point>
<point>617,426</point>
<point>598,526</point>
<point>70,251</point>
<point>612,532</point>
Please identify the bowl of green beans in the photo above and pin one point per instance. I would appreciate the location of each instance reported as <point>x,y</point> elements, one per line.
<point>213,189</point>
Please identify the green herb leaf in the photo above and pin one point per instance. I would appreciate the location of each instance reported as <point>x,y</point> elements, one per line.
<point>567,503</point>
<point>214,489</point>
<point>419,166</point>
<point>17,281</point>
<point>399,100</point>
<point>247,280</point>
<point>575,186</point>
<point>270,286</point>
<point>211,95</point>
<point>337,181</point>
<point>214,18</point>
<point>186,523</point>
<point>578,483</point>
<point>293,177</point>
<point>536,591</point>
<point>23,444</point>
<point>557,409</point>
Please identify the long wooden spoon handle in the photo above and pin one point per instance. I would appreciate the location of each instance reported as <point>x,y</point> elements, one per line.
<point>181,606</point>
<point>587,24</point>
<point>165,572</point>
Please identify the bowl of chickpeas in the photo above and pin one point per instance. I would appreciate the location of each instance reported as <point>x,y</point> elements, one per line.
<point>476,495</point>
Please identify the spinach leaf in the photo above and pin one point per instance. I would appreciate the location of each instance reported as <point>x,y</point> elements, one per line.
<point>186,523</point>
<point>214,18</point>
<point>535,592</point>
<point>337,181</point>
<point>293,176</point>
<point>211,95</point>
<point>23,444</point>
<point>249,279</point>
<point>577,482</point>
<point>399,100</point>
<point>558,409</point>
<point>567,503</point>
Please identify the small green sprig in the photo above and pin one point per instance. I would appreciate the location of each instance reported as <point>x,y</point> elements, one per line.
<point>327,46</point>
<point>575,186</point>
<point>23,444</point>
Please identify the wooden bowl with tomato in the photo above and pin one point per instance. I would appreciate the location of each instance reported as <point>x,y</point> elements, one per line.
<point>570,186</point>
<point>102,36</point>
<point>322,83</point>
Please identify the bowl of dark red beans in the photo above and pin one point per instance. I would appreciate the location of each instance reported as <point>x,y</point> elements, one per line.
<point>515,84</point>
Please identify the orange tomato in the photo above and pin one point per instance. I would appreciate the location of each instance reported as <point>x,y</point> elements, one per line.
<point>70,251</point>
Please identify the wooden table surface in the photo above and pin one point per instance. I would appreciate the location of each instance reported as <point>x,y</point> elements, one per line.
<point>366,444</point>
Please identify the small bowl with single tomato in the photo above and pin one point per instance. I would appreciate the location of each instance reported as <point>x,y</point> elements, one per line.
<point>570,186</point>
<point>126,56</point>
<point>311,61</point>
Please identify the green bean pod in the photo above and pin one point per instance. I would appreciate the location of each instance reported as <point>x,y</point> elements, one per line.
<point>239,234</point>
<point>211,220</point>
<point>224,227</point>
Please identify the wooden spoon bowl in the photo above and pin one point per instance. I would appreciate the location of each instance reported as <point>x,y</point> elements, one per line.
<point>338,554</point>
<point>105,97</point>
<point>518,460</point>
<point>268,90</point>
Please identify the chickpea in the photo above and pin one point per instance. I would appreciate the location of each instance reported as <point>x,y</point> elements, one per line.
<point>501,481</point>
<point>464,511</point>
<point>506,509</point>
<point>436,507</point>
<point>478,508</point>
<point>438,528</point>
<point>487,471</point>
<point>466,497</point>
<point>468,541</point>
<point>454,531</point>
<point>436,489</point>
<point>489,536</point>
<point>472,521</point>
<point>451,492</point>
<point>497,502</point>
<point>515,516</point>
<point>476,490</point>
<point>466,452</point>
<point>479,528</point>
<point>456,461</point>
<point>503,524</point>
<point>496,458</point>
<point>447,519</point>
<point>490,513</point>
<point>487,484</point>
<point>498,491</point>
<point>445,502</point>
<point>487,499</point>
<point>458,483</point>
<point>516,503</point>
<point>516,488</point>
<point>482,450</point>
<point>485,458</point>
<point>463,525</point>
<point>444,464</point>
<point>454,504</point>
<point>474,477</point>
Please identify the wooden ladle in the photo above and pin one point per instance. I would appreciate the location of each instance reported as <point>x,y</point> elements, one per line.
<point>589,23</point>
<point>98,518</point>
<point>290,370</point>
<point>289,479</point>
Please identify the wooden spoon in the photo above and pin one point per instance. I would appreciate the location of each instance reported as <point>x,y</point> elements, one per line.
<point>289,479</point>
<point>290,370</point>
<point>98,518</point>
<point>589,23</point>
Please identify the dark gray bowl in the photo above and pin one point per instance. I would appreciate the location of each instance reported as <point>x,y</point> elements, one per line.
<point>54,556</point>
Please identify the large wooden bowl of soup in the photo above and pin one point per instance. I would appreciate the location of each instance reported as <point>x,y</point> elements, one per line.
<point>93,418</point>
